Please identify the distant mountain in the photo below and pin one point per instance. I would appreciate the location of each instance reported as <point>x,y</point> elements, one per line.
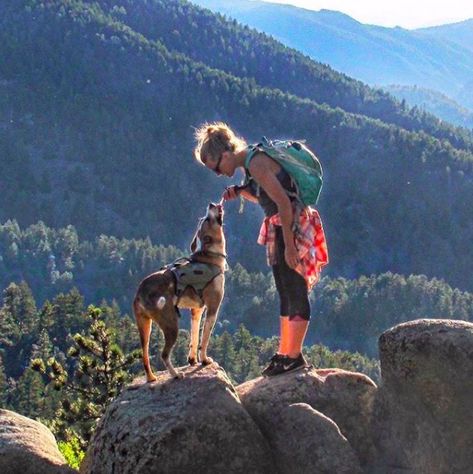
<point>439,59</point>
<point>97,108</point>
<point>460,33</point>
<point>434,102</point>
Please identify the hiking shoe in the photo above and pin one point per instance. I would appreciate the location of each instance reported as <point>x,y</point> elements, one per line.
<point>291,365</point>
<point>285,364</point>
<point>273,364</point>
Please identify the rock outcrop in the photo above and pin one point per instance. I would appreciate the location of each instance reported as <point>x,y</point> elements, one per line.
<point>28,447</point>
<point>345,397</point>
<point>330,421</point>
<point>424,419</point>
<point>196,425</point>
<point>306,441</point>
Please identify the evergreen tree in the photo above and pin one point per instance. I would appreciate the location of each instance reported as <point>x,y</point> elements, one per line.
<point>29,398</point>
<point>94,373</point>
<point>18,313</point>
<point>223,351</point>
<point>66,316</point>
<point>43,349</point>
<point>18,326</point>
<point>3,385</point>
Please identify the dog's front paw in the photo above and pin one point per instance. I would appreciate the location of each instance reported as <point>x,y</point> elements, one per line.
<point>207,361</point>
<point>151,378</point>
<point>179,376</point>
<point>192,360</point>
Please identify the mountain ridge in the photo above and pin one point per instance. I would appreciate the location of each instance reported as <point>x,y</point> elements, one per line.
<point>125,133</point>
<point>393,55</point>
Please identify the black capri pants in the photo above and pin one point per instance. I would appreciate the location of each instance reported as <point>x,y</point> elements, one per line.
<point>291,286</point>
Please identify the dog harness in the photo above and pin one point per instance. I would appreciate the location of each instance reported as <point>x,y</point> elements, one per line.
<point>197,275</point>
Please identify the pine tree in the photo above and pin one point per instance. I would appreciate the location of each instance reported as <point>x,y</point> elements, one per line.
<point>43,349</point>
<point>65,314</point>
<point>18,301</point>
<point>242,338</point>
<point>3,385</point>
<point>94,373</point>
<point>28,398</point>
<point>18,313</point>
<point>18,326</point>
<point>223,351</point>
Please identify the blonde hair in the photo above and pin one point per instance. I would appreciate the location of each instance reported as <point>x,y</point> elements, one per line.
<point>213,139</point>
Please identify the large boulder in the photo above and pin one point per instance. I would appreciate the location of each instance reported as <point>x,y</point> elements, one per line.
<point>424,418</point>
<point>306,441</point>
<point>28,447</point>
<point>196,424</point>
<point>342,396</point>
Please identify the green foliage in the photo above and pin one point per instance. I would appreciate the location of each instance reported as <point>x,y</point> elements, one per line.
<point>434,102</point>
<point>223,44</point>
<point>18,326</point>
<point>348,314</point>
<point>93,367</point>
<point>29,397</point>
<point>72,452</point>
<point>119,157</point>
<point>3,385</point>
<point>93,374</point>
<point>351,314</point>
<point>243,356</point>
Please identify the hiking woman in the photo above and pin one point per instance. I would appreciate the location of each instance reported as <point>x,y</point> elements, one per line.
<point>293,233</point>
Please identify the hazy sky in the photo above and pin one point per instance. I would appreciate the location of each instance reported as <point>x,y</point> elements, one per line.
<point>405,13</point>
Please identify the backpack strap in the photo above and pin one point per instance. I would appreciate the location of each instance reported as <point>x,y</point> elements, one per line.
<point>248,179</point>
<point>253,149</point>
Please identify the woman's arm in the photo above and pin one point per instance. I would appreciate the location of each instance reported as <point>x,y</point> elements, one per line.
<point>247,195</point>
<point>262,169</point>
<point>232,192</point>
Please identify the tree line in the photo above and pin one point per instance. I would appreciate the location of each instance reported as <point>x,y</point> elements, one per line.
<point>347,313</point>
<point>64,362</point>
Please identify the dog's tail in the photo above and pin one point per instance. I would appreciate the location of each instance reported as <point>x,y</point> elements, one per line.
<point>161,302</point>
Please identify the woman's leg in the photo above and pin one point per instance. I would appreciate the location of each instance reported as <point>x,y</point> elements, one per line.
<point>297,330</point>
<point>284,335</point>
<point>283,308</point>
<point>297,306</point>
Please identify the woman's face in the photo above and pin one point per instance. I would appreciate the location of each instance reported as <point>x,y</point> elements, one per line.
<point>221,166</point>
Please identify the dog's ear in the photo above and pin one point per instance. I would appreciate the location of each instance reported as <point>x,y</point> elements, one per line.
<point>194,240</point>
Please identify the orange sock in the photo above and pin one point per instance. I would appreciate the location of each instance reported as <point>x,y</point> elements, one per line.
<point>297,329</point>
<point>284,335</point>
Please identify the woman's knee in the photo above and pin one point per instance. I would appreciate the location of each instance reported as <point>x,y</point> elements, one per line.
<point>301,316</point>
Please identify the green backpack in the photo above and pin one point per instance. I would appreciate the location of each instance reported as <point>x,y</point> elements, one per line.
<point>299,162</point>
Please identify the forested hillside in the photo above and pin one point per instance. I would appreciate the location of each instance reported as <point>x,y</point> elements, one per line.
<point>348,314</point>
<point>241,51</point>
<point>98,105</point>
<point>97,132</point>
<point>433,102</point>
<point>439,58</point>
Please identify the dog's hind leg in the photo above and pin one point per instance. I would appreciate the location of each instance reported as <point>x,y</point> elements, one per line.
<point>170,336</point>
<point>196,315</point>
<point>144,324</point>
<point>209,323</point>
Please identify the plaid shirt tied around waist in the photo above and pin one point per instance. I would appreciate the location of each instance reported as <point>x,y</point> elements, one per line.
<point>309,239</point>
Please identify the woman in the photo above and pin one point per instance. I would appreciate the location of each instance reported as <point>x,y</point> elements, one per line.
<point>296,258</point>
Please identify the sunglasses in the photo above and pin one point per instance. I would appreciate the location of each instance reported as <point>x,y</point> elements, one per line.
<point>217,170</point>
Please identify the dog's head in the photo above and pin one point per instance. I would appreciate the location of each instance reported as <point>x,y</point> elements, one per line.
<point>210,231</point>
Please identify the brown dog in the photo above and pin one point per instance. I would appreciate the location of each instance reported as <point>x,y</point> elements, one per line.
<point>157,298</point>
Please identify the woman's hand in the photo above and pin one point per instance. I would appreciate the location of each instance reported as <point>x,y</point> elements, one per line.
<point>230,193</point>
<point>291,256</point>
